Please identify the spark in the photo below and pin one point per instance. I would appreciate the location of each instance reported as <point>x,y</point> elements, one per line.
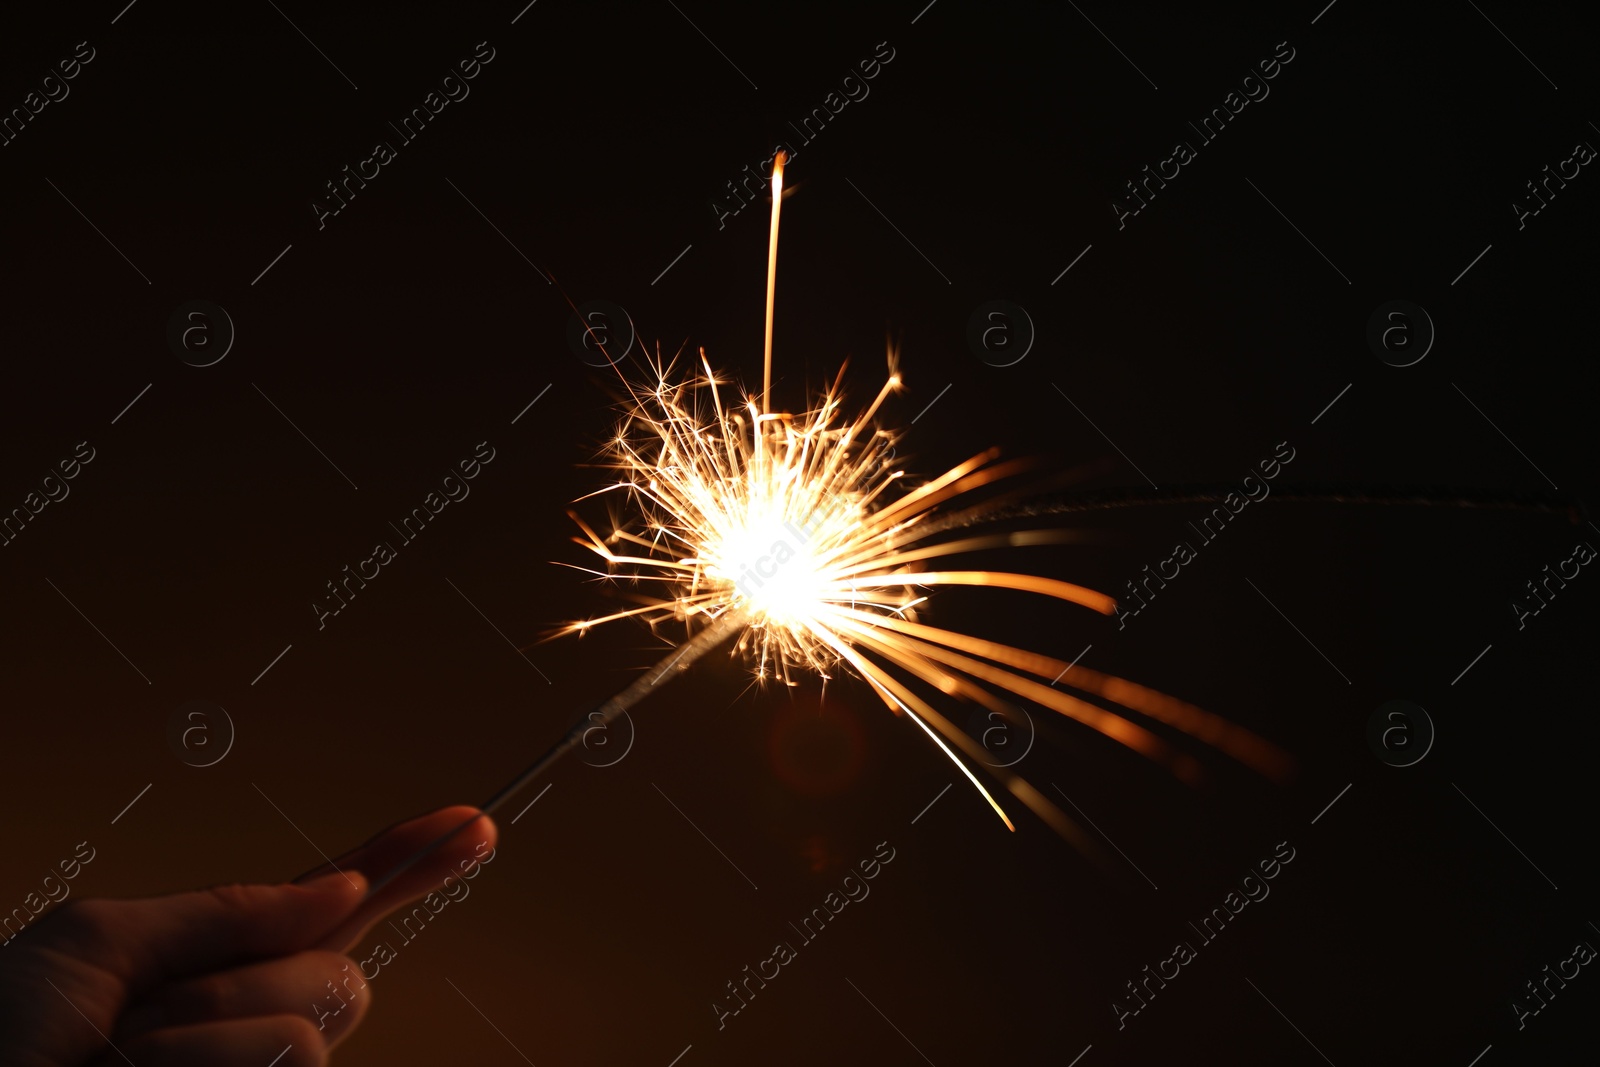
<point>796,535</point>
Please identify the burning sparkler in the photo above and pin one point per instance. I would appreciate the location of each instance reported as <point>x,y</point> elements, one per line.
<point>786,531</point>
<point>790,535</point>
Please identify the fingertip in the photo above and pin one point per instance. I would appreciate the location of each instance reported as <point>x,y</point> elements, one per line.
<point>483,826</point>
<point>412,859</point>
<point>452,833</point>
<point>483,830</point>
<point>477,840</point>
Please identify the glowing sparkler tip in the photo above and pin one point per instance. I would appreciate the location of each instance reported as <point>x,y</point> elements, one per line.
<point>794,529</point>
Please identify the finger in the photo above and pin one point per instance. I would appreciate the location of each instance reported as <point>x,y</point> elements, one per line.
<point>396,843</point>
<point>323,987</point>
<point>157,939</point>
<point>279,1040</point>
<point>458,858</point>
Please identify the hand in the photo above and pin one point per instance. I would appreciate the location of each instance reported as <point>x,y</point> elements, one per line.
<point>229,975</point>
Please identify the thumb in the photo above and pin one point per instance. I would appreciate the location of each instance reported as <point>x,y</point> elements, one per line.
<point>160,938</point>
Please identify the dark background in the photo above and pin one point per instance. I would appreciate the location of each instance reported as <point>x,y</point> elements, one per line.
<point>1196,338</point>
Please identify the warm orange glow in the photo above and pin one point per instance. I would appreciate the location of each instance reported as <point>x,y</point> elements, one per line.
<point>798,529</point>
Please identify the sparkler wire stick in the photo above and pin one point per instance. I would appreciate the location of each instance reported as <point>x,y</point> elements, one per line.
<point>679,660</point>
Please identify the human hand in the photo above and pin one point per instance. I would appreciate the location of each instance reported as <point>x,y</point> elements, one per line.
<point>221,976</point>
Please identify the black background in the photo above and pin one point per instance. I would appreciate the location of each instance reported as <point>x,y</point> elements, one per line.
<point>1196,338</point>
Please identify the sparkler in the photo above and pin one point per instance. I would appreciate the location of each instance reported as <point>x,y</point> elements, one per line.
<point>785,532</point>
<point>791,535</point>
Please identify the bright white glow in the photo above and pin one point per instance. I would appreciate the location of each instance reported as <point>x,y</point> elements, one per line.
<point>773,564</point>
